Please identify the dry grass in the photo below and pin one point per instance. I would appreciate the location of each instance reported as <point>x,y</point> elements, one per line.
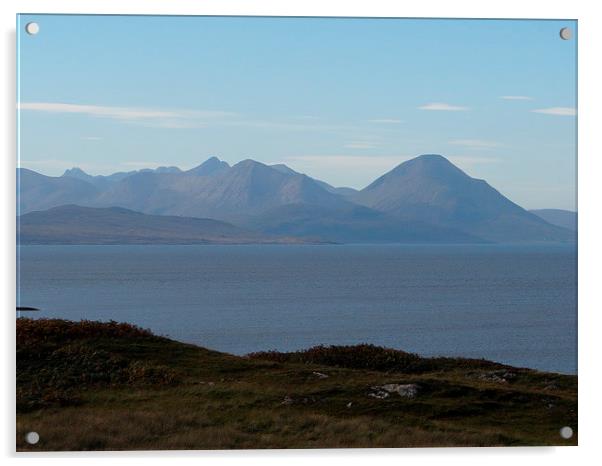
<point>176,396</point>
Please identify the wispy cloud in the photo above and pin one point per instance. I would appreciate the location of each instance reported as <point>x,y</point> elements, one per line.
<point>443,107</point>
<point>475,143</point>
<point>186,118</point>
<point>386,121</point>
<point>152,117</point>
<point>516,97</point>
<point>360,145</point>
<point>558,111</point>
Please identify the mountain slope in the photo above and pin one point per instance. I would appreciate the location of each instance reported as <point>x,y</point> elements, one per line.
<point>343,191</point>
<point>431,189</point>
<point>250,188</point>
<point>211,166</point>
<point>213,189</point>
<point>71,224</point>
<point>38,192</point>
<point>352,224</point>
<point>561,218</point>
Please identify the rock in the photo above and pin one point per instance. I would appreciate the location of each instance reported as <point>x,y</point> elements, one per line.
<point>378,393</point>
<point>409,390</point>
<point>381,392</point>
<point>497,376</point>
<point>319,375</point>
<point>289,400</point>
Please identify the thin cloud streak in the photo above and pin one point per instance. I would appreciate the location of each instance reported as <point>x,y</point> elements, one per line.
<point>175,119</point>
<point>475,143</point>
<point>360,145</point>
<point>147,116</point>
<point>515,97</point>
<point>558,111</point>
<point>443,107</point>
<point>386,121</point>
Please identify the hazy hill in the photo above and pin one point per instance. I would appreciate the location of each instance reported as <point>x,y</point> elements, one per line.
<point>213,190</point>
<point>211,166</point>
<point>431,189</point>
<point>352,224</point>
<point>38,192</point>
<point>562,218</point>
<point>251,187</point>
<point>103,182</point>
<point>71,224</point>
<point>328,187</point>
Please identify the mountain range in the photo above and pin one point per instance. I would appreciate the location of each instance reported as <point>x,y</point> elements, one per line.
<point>426,199</point>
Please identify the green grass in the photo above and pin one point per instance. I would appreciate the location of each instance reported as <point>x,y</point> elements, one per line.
<point>109,386</point>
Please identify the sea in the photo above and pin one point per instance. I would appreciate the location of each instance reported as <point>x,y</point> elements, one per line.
<point>514,304</point>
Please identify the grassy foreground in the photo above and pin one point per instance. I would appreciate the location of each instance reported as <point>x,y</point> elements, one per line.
<point>110,386</point>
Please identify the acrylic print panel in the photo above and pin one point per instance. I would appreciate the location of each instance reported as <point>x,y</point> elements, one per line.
<point>247,232</point>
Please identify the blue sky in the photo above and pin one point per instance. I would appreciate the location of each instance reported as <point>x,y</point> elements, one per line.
<point>343,100</point>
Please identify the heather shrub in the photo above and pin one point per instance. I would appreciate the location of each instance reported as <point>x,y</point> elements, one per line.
<point>58,359</point>
<point>372,357</point>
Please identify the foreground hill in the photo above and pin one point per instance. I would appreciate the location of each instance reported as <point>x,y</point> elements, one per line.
<point>72,224</point>
<point>126,389</point>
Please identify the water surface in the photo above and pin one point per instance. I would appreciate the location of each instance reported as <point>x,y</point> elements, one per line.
<point>508,303</point>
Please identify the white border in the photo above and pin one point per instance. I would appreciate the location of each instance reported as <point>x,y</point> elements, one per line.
<point>590,231</point>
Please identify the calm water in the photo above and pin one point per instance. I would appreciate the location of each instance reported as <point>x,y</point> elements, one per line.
<point>513,304</point>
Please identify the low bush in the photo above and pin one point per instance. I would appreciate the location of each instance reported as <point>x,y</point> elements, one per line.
<point>57,359</point>
<point>371,357</point>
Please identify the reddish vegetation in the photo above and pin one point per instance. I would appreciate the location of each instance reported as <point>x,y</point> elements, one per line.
<point>376,358</point>
<point>56,359</point>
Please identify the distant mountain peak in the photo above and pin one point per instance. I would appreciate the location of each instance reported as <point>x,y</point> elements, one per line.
<point>248,162</point>
<point>282,168</point>
<point>429,160</point>
<point>75,172</point>
<point>432,158</point>
<point>427,165</point>
<point>211,166</point>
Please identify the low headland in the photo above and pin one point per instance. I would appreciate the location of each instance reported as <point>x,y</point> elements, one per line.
<point>113,386</point>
